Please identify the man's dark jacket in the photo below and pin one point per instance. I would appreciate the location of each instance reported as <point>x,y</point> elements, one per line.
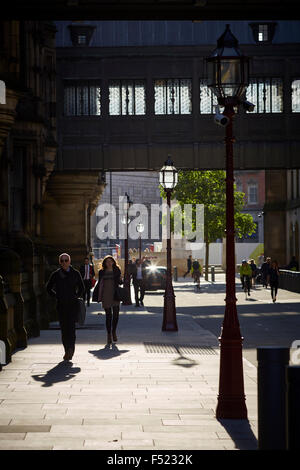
<point>117,281</point>
<point>66,286</point>
<point>92,272</point>
<point>265,269</point>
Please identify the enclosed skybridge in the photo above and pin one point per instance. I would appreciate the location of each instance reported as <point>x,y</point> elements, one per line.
<point>131,92</point>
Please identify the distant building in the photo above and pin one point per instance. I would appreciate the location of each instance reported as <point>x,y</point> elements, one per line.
<point>252,183</point>
<point>142,188</point>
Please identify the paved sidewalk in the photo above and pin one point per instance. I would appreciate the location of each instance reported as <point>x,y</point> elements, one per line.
<point>133,395</point>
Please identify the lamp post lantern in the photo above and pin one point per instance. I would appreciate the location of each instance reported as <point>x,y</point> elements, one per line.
<point>125,220</point>
<point>140,228</point>
<point>228,77</point>
<point>168,178</point>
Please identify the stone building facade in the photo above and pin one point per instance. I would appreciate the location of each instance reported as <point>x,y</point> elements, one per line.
<point>35,200</point>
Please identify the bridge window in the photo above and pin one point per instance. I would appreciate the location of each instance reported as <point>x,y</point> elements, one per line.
<point>296,96</point>
<point>266,94</point>
<point>173,96</point>
<point>263,32</point>
<point>127,97</point>
<point>207,99</point>
<point>82,99</point>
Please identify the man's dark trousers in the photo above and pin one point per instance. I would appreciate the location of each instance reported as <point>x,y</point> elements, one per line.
<point>67,319</point>
<point>87,295</point>
<point>139,285</point>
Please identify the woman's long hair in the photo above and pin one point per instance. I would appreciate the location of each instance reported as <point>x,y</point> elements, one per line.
<point>274,262</point>
<point>115,265</point>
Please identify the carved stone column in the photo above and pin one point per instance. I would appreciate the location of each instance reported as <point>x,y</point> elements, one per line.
<point>65,212</point>
<point>7,115</point>
<point>12,330</point>
<point>275,216</point>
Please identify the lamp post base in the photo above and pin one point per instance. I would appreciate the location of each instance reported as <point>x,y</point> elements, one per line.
<point>231,398</point>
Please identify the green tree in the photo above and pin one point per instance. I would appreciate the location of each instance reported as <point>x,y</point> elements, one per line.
<point>209,188</point>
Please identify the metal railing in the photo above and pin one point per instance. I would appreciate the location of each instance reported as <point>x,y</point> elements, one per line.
<point>289,280</point>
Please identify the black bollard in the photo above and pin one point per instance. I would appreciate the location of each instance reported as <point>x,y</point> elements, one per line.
<point>175,276</point>
<point>271,397</point>
<point>293,407</point>
<point>212,269</point>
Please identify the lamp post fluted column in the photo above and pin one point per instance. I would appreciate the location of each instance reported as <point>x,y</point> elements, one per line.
<point>169,314</point>
<point>231,399</point>
<point>228,78</point>
<point>168,178</point>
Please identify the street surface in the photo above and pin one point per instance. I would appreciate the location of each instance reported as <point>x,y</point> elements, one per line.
<point>151,390</point>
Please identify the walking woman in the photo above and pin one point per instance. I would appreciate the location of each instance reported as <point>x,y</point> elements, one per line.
<point>105,292</point>
<point>274,279</point>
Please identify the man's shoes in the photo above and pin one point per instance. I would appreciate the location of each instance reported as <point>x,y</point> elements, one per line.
<point>142,303</point>
<point>137,304</point>
<point>249,293</point>
<point>115,338</point>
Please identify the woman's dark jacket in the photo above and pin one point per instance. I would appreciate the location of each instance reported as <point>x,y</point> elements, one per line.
<point>274,276</point>
<point>117,281</point>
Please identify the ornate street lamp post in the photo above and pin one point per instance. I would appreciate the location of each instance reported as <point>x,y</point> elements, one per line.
<point>168,178</point>
<point>125,220</point>
<point>228,77</point>
<point>140,228</point>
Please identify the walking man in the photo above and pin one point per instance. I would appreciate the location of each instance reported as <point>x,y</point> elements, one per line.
<point>138,277</point>
<point>66,285</point>
<point>87,273</point>
<point>189,265</point>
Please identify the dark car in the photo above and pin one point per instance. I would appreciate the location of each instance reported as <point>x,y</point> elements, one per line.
<point>155,277</point>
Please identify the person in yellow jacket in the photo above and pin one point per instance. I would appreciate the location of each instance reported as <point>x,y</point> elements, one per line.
<point>245,274</point>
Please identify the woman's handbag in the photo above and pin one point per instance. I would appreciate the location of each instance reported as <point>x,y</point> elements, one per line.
<point>121,294</point>
<point>93,280</point>
<point>81,311</point>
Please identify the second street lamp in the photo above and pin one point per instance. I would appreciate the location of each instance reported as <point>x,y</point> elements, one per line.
<point>228,77</point>
<point>125,220</point>
<point>168,178</point>
<point>140,228</point>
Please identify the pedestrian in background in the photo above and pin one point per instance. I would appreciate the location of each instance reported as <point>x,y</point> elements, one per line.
<point>87,273</point>
<point>254,272</point>
<point>261,259</point>
<point>196,272</point>
<point>293,264</point>
<point>245,275</point>
<point>265,272</point>
<point>105,291</point>
<point>66,285</point>
<point>274,279</point>
<point>138,276</point>
<point>189,265</point>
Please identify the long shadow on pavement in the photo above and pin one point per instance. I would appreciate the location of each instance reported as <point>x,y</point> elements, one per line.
<point>240,432</point>
<point>61,373</point>
<point>108,352</point>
